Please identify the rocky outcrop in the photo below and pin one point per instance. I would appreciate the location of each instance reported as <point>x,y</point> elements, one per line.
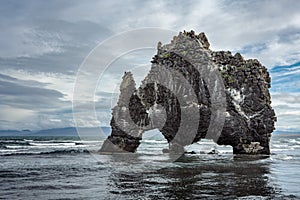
<point>192,92</point>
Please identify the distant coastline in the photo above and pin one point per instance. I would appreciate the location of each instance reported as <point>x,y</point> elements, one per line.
<point>66,131</point>
<point>88,131</point>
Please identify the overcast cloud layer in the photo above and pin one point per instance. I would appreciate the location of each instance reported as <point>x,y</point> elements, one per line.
<point>43,44</point>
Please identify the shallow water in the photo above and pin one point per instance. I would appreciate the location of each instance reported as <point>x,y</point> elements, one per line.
<point>63,168</point>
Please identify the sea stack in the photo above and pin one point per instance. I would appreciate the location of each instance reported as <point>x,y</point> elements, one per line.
<point>192,92</point>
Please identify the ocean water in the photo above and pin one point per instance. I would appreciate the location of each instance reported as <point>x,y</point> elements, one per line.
<point>70,168</point>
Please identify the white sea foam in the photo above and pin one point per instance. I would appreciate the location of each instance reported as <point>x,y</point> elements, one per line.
<point>155,141</point>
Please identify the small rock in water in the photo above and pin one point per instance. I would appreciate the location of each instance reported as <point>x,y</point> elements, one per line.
<point>190,152</point>
<point>165,150</point>
<point>214,151</point>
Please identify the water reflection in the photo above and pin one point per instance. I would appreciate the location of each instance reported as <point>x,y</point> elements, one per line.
<point>207,176</point>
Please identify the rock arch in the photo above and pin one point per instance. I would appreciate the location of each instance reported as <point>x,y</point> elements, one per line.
<point>249,119</point>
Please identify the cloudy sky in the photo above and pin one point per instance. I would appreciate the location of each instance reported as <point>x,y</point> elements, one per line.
<point>43,43</point>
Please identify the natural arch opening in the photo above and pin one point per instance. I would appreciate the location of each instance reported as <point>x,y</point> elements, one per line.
<point>152,141</point>
<point>208,146</point>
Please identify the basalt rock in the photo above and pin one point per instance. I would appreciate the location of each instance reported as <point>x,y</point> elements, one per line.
<point>184,89</point>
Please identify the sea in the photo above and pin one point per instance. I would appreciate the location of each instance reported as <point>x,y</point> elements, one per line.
<point>45,167</point>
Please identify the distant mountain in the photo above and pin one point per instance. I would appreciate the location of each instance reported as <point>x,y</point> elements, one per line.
<point>66,131</point>
<point>12,132</point>
<point>94,131</point>
<point>286,132</point>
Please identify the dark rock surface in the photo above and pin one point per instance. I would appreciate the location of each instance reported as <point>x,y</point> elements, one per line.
<point>191,93</point>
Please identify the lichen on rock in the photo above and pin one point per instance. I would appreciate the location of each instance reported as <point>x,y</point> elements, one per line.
<point>165,104</point>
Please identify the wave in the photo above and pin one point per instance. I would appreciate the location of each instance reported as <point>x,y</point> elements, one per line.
<point>14,142</point>
<point>67,151</point>
<point>290,141</point>
<point>18,144</point>
<point>155,141</point>
<point>60,151</point>
<point>50,144</point>
<point>280,145</point>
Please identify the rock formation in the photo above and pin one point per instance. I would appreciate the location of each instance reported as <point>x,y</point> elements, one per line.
<point>192,92</point>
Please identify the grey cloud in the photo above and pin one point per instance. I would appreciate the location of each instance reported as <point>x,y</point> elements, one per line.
<point>14,93</point>
<point>36,107</point>
<point>287,98</point>
<point>9,79</point>
<point>66,46</point>
<point>8,88</point>
<point>287,109</point>
<point>289,34</point>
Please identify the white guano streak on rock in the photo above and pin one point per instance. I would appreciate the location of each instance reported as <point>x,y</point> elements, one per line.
<point>237,99</point>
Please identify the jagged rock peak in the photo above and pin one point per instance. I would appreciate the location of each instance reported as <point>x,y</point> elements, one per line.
<point>201,38</point>
<point>127,81</point>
